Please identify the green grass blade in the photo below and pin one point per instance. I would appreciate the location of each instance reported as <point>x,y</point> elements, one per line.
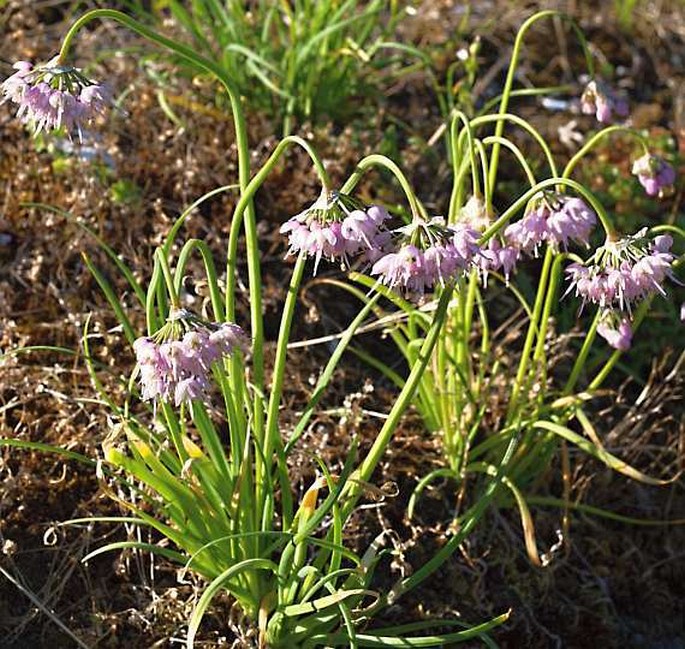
<point>113,300</point>
<point>216,585</point>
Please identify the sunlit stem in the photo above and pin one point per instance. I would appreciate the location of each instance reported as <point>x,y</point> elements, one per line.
<point>469,305</point>
<point>499,129</point>
<point>457,197</point>
<point>252,242</point>
<point>378,160</point>
<point>543,325</point>
<point>533,330</point>
<point>596,139</point>
<point>168,278</point>
<point>668,227</point>
<point>355,486</point>
<point>150,312</point>
<point>582,355</point>
<point>246,198</point>
<point>272,432</point>
<point>239,124</point>
<point>231,272</point>
<point>210,272</point>
<point>459,116</point>
<point>525,92</point>
<point>484,170</point>
<point>526,126</point>
<point>492,139</point>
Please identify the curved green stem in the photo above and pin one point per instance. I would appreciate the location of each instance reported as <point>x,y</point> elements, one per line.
<point>492,139</point>
<point>582,356</point>
<point>457,196</point>
<point>484,170</point>
<point>524,92</point>
<point>193,57</point>
<point>458,116</point>
<point>596,139</point>
<point>272,436</point>
<point>550,301</point>
<point>245,201</point>
<point>241,209</point>
<point>151,319</point>
<point>499,129</point>
<point>168,278</point>
<point>378,160</point>
<point>526,126</point>
<point>668,227</point>
<point>533,330</point>
<point>210,272</point>
<point>468,301</point>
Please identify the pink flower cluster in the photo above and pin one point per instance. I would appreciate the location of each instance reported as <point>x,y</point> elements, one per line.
<point>616,330</point>
<point>428,253</point>
<point>556,220</point>
<point>179,369</point>
<point>654,174</point>
<point>337,227</point>
<point>623,273</point>
<point>52,96</point>
<point>600,99</point>
<point>619,276</point>
<point>497,256</point>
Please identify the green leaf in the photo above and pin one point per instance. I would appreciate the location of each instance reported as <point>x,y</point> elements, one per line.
<point>597,452</point>
<point>219,583</point>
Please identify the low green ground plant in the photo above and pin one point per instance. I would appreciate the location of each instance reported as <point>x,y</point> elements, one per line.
<point>296,61</point>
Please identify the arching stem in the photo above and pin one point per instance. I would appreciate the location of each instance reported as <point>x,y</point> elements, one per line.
<point>499,129</point>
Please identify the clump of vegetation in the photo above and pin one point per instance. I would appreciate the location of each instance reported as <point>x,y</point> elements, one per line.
<point>306,60</point>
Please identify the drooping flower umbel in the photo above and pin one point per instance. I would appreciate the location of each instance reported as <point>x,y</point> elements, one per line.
<point>338,227</point>
<point>497,255</point>
<point>600,99</point>
<point>623,273</point>
<point>427,253</point>
<point>619,276</point>
<point>175,364</point>
<point>654,174</point>
<point>556,219</point>
<point>53,95</point>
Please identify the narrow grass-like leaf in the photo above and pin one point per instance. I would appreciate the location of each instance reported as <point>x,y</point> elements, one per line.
<point>549,501</point>
<point>177,557</point>
<point>113,300</point>
<point>216,585</point>
<point>383,639</point>
<point>598,452</point>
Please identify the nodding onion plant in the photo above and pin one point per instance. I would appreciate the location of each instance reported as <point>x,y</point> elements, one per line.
<point>226,501</point>
<point>469,395</point>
